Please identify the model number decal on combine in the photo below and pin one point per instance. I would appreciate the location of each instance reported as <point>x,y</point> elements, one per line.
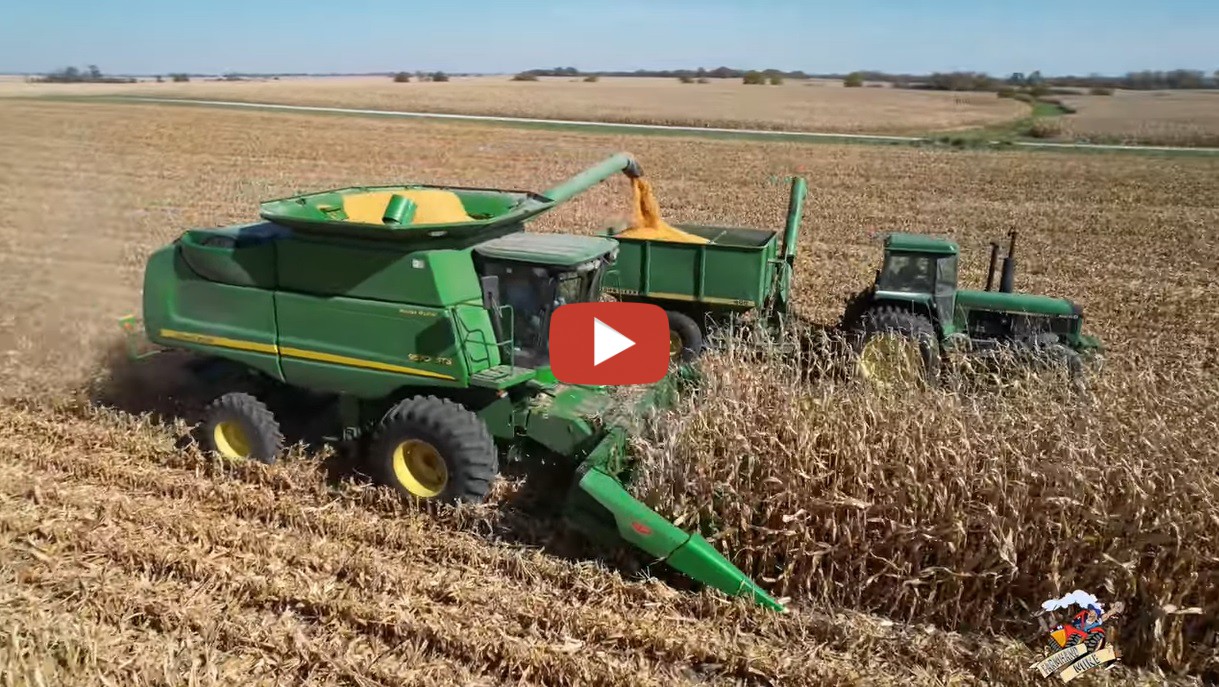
<point>417,313</point>
<point>416,358</point>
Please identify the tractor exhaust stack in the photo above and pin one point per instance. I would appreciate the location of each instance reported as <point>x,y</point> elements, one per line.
<point>994,261</point>
<point>1007,282</point>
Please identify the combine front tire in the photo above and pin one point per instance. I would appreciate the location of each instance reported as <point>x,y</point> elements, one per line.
<point>433,448</point>
<point>896,346</point>
<point>240,427</point>
<point>685,338</point>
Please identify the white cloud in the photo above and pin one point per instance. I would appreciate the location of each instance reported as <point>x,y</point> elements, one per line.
<point>1078,598</point>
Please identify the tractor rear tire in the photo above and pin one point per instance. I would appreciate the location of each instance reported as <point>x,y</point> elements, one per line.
<point>893,321</point>
<point>433,448</point>
<point>238,426</point>
<point>685,337</point>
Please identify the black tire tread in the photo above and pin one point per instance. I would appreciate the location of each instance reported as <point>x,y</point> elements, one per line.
<point>258,421</point>
<point>461,437</point>
<point>690,333</point>
<point>885,317</point>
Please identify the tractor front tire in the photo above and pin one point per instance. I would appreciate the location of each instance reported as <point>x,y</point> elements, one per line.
<point>238,426</point>
<point>685,337</point>
<point>432,448</point>
<point>896,345</point>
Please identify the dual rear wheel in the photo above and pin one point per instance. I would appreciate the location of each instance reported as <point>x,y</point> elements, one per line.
<point>424,446</point>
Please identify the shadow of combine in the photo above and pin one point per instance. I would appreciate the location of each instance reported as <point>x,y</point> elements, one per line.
<point>175,387</point>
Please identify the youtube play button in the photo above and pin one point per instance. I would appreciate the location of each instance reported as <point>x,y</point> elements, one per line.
<point>609,343</point>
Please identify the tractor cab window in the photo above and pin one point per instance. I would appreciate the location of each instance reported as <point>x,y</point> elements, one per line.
<point>946,286</point>
<point>908,272</point>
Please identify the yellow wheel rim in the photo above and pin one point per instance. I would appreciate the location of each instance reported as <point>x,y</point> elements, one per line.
<point>419,468</point>
<point>891,358</point>
<point>675,344</point>
<point>231,440</point>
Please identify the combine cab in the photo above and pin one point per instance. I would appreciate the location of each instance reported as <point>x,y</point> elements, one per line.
<point>420,315</point>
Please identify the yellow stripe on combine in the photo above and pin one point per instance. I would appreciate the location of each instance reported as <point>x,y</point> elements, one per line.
<point>220,341</point>
<point>357,362</point>
<point>301,353</point>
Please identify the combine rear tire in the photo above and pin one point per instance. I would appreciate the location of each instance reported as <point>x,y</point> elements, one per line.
<point>433,448</point>
<point>685,338</point>
<point>240,427</point>
<point>896,345</point>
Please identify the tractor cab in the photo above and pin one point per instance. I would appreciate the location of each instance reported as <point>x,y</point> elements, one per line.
<point>525,277</point>
<point>920,270</point>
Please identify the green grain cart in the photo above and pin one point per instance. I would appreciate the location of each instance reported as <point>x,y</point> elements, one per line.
<point>702,285</point>
<point>427,341</point>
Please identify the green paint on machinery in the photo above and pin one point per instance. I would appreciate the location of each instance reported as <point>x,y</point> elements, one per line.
<point>914,312</point>
<point>426,344</point>
<point>701,285</point>
<point>900,326</point>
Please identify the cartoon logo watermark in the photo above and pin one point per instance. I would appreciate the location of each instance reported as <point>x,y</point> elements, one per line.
<point>1082,642</point>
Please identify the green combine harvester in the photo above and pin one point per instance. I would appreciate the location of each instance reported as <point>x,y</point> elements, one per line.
<point>420,314</point>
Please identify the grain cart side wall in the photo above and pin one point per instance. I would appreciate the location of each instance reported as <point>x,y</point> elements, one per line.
<point>733,271</point>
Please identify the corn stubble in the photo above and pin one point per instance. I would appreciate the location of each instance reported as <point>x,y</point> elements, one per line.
<point>128,558</point>
<point>964,506</point>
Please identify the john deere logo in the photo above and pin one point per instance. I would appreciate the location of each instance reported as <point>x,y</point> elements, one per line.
<point>1082,642</point>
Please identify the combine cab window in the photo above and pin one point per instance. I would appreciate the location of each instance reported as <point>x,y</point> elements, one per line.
<point>574,288</point>
<point>908,272</point>
<point>535,292</point>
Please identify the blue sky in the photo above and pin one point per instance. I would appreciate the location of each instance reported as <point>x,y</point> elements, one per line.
<point>1063,36</point>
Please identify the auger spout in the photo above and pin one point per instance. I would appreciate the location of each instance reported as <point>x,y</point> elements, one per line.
<point>622,162</point>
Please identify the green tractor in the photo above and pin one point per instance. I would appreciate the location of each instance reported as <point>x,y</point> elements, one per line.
<point>914,313</point>
<point>419,316</point>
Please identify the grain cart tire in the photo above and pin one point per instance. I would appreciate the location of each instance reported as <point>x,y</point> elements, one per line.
<point>895,345</point>
<point>685,337</point>
<point>238,426</point>
<point>432,448</point>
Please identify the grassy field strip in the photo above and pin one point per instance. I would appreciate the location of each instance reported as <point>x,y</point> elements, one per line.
<point>719,131</point>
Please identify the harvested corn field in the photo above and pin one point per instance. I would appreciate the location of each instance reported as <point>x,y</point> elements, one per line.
<point>1176,118</point>
<point>939,512</point>
<point>811,105</point>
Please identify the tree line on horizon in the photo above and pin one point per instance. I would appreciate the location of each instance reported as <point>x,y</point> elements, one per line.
<point>946,81</point>
<point>943,81</point>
